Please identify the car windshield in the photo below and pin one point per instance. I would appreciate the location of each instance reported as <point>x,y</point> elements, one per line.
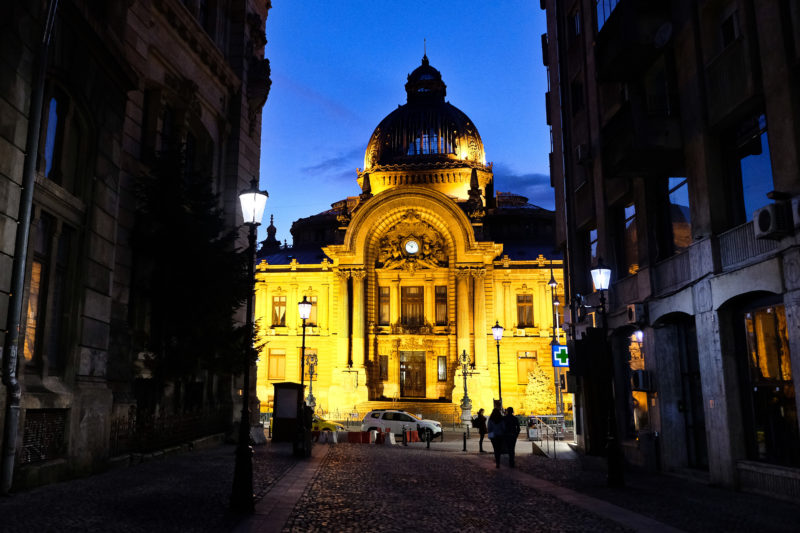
<point>415,417</point>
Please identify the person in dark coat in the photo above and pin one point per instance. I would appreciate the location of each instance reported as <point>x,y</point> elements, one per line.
<point>512,430</point>
<point>496,434</point>
<point>480,423</point>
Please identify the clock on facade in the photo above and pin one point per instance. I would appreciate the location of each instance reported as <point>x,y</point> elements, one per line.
<point>412,246</point>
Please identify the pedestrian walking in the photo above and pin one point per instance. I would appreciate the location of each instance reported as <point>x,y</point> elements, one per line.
<point>496,434</point>
<point>480,423</point>
<point>512,430</point>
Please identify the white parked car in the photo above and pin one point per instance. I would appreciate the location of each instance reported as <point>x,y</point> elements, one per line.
<point>396,420</point>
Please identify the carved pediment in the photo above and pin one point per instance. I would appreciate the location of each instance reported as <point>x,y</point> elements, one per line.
<point>411,244</point>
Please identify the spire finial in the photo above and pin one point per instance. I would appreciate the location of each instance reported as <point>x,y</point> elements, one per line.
<point>424,51</point>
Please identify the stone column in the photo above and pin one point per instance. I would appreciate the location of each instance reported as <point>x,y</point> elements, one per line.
<point>292,315</point>
<point>430,304</point>
<point>506,318</point>
<point>791,300</point>
<point>721,402</point>
<point>394,302</point>
<point>323,304</point>
<point>358,316</point>
<point>480,318</point>
<point>344,325</point>
<point>462,311</point>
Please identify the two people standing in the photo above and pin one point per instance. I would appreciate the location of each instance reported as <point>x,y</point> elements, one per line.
<point>503,433</point>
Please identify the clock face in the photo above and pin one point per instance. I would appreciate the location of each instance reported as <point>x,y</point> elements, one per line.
<point>412,246</point>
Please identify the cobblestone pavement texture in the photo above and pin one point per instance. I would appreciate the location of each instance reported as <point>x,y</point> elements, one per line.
<point>388,489</point>
<point>186,492</point>
<point>382,488</point>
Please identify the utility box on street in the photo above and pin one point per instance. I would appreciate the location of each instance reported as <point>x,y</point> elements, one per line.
<point>288,399</point>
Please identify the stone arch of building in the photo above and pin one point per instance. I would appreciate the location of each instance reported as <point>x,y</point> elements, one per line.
<point>385,210</point>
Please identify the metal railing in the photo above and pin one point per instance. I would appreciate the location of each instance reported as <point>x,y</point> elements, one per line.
<point>548,429</point>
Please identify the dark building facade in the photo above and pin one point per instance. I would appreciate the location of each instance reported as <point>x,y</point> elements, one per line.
<point>122,81</point>
<point>675,160</point>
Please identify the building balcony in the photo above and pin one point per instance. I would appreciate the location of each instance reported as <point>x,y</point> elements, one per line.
<point>672,274</point>
<point>630,37</point>
<point>739,246</point>
<point>726,92</point>
<point>636,141</point>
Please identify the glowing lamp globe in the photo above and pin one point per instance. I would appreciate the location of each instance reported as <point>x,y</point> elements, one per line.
<point>253,203</point>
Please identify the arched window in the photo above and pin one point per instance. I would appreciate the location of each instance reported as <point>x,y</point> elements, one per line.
<point>63,147</point>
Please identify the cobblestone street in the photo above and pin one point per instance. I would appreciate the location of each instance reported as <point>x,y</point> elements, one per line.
<point>357,487</point>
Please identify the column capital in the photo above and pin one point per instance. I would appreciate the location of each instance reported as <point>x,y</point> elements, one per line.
<point>342,275</point>
<point>463,272</point>
<point>478,273</point>
<point>358,274</point>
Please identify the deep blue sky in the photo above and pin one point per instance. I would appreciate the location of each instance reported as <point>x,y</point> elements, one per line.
<point>339,67</point>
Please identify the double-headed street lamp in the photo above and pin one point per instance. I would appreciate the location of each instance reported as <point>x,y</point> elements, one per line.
<point>601,276</point>
<point>466,403</point>
<point>497,333</point>
<point>304,310</point>
<point>253,202</point>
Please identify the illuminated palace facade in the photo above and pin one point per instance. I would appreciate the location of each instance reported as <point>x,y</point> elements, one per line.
<point>412,273</point>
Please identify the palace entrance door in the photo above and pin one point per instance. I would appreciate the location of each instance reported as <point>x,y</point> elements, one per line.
<point>412,374</point>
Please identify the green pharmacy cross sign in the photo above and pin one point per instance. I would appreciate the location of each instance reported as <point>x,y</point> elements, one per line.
<point>560,356</point>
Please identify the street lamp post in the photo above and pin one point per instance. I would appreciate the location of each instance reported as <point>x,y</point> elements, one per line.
<point>601,276</point>
<point>466,403</point>
<point>304,310</point>
<point>497,333</point>
<point>253,202</point>
<point>312,365</point>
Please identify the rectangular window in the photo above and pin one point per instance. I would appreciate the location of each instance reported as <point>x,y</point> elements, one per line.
<point>593,247</point>
<point>35,300</point>
<point>277,364</point>
<point>384,362</point>
<point>630,241</point>
<point>525,310</point>
<point>755,166</point>
<point>412,306</point>
<point>383,306</point>
<point>680,217</point>
<point>47,313</point>
<point>526,363</point>
<point>312,316</point>
<point>441,305</point>
<point>442,367</point>
<point>604,9</point>
<point>309,352</point>
<point>278,311</point>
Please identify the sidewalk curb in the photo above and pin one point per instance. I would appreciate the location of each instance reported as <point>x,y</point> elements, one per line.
<point>273,510</point>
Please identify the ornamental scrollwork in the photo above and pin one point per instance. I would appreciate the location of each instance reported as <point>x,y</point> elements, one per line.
<point>428,250</point>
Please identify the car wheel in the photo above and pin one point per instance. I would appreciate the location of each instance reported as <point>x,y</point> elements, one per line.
<point>326,429</point>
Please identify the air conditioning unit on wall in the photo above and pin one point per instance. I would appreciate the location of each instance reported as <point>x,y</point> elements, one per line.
<point>771,222</point>
<point>640,381</point>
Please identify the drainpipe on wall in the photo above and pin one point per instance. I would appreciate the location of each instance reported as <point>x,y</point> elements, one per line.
<point>11,348</point>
